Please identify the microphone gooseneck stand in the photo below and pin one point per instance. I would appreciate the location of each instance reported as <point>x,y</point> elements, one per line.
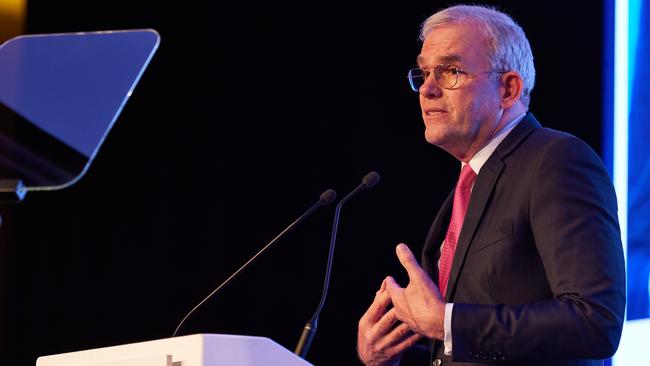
<point>309,331</point>
<point>326,198</point>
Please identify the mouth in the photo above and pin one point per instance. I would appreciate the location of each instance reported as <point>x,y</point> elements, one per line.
<point>434,112</point>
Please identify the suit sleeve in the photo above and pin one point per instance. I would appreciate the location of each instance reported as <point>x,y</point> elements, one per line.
<point>573,219</point>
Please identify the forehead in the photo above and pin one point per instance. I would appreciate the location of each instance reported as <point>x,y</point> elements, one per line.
<point>454,43</point>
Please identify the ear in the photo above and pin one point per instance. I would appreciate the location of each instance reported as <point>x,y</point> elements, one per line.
<point>511,87</point>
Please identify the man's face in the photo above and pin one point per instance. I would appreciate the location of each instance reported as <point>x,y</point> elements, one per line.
<point>459,120</point>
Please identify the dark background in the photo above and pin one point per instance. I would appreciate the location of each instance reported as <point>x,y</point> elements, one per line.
<point>245,115</point>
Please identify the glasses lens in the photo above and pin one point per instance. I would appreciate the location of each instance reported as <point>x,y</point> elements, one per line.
<point>416,79</point>
<point>447,75</point>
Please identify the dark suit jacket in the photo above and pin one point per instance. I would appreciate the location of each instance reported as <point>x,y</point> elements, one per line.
<point>538,274</point>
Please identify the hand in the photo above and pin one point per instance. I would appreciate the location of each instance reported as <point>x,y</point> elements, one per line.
<point>419,305</point>
<point>379,342</point>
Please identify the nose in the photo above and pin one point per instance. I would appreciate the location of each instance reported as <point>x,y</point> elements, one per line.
<point>430,89</point>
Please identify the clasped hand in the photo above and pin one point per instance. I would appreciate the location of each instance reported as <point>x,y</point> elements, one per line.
<point>417,311</point>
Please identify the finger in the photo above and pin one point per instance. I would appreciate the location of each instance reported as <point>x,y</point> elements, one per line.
<point>409,262</point>
<point>382,288</point>
<point>406,343</point>
<point>396,335</point>
<point>394,291</point>
<point>392,287</point>
<point>386,323</point>
<point>378,307</point>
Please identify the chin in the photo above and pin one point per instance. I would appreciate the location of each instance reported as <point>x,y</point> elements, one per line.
<point>434,137</point>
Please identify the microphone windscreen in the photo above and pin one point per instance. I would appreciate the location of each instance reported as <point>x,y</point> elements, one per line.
<point>371,179</point>
<point>328,196</point>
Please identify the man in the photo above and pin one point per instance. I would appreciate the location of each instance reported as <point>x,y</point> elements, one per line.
<point>523,264</point>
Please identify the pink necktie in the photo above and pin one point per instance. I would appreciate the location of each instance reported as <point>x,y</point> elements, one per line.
<point>461,201</point>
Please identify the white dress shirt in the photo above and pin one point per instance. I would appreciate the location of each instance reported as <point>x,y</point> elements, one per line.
<point>476,162</point>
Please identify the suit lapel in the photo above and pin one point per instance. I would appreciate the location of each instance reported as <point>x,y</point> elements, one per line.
<point>481,193</point>
<point>483,187</point>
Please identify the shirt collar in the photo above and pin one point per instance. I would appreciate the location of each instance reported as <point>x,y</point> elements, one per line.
<point>477,161</point>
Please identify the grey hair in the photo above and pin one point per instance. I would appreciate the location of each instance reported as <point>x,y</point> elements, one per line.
<point>507,49</point>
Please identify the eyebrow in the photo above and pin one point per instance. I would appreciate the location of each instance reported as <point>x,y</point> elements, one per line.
<point>446,59</point>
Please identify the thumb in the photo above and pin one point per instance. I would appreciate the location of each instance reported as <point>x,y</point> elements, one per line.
<point>408,261</point>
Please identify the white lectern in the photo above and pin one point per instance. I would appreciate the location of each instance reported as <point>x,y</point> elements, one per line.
<point>192,350</point>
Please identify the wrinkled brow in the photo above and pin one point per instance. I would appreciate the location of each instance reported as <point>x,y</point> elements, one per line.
<point>446,59</point>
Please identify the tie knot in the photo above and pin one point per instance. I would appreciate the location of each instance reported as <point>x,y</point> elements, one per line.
<point>467,176</point>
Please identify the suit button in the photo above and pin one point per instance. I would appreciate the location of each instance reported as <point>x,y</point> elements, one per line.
<point>437,362</point>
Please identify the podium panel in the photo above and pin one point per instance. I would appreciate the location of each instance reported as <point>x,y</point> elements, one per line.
<point>191,350</point>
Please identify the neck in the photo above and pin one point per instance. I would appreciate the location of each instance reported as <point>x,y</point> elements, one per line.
<point>485,135</point>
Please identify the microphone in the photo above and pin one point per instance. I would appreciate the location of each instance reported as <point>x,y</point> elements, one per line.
<point>309,331</point>
<point>326,198</point>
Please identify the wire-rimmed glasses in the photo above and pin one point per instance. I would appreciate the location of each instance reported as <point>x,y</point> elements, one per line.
<point>448,76</point>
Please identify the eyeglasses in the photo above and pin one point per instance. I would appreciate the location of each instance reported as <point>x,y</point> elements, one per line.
<point>446,75</point>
